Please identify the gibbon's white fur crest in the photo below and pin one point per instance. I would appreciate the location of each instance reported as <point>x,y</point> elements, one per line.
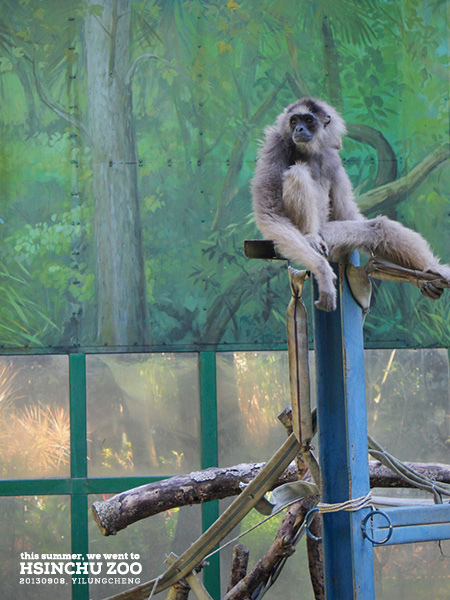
<point>303,200</point>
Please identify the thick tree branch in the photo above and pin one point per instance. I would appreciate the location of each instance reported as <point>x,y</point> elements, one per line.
<point>386,196</point>
<point>123,509</point>
<point>201,486</point>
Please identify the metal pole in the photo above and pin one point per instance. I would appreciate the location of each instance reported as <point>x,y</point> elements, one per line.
<point>342,424</point>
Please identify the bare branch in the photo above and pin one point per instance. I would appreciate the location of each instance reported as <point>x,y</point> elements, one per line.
<point>282,547</point>
<point>202,486</point>
<point>123,509</point>
<point>388,195</point>
<point>59,111</point>
<point>132,70</point>
<point>239,564</point>
<point>315,558</point>
<point>108,33</point>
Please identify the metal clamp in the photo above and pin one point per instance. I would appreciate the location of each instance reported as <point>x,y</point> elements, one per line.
<point>364,527</point>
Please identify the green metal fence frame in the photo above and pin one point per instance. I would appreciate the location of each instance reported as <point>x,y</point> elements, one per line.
<point>78,486</point>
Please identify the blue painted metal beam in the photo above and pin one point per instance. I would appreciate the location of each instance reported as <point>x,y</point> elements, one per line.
<point>405,516</point>
<point>342,424</point>
<point>409,524</point>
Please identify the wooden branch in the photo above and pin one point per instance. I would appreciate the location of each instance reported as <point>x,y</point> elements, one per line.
<point>123,509</point>
<point>389,194</point>
<point>148,56</point>
<point>239,564</point>
<point>201,486</point>
<point>280,550</point>
<point>59,111</point>
<point>315,558</point>
<point>179,591</point>
<point>132,70</point>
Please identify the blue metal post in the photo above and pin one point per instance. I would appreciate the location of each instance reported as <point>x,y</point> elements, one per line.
<point>342,424</point>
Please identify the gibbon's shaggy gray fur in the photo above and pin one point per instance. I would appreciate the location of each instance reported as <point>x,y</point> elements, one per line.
<point>303,200</point>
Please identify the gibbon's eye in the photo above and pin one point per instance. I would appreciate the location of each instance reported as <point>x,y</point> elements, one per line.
<point>293,120</point>
<point>308,119</point>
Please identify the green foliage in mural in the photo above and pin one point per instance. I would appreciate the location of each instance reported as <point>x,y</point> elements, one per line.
<point>129,136</point>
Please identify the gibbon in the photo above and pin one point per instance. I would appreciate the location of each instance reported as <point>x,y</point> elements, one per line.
<point>303,201</point>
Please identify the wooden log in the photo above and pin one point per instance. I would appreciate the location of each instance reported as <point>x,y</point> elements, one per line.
<point>123,509</point>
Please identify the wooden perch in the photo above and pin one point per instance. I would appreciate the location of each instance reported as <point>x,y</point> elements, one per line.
<point>123,509</point>
<point>200,486</point>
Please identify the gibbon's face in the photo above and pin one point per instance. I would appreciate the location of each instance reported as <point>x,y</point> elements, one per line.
<point>304,127</point>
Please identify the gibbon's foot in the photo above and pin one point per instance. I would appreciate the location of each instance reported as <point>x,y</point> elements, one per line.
<point>326,281</point>
<point>431,291</point>
<point>435,289</point>
<point>441,270</point>
<point>327,298</point>
<point>326,301</point>
<point>317,243</point>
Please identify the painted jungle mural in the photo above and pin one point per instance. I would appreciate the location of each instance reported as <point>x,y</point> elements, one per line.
<point>129,134</point>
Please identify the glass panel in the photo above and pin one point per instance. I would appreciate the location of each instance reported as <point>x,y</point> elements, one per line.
<point>408,414</point>
<point>152,539</point>
<point>34,417</point>
<point>30,527</point>
<point>408,402</point>
<point>413,571</point>
<point>143,414</point>
<point>252,390</point>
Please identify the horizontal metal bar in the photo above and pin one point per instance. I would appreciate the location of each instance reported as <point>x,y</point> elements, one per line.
<point>415,533</point>
<point>418,515</point>
<point>197,346</point>
<point>408,524</point>
<point>261,249</point>
<point>95,485</point>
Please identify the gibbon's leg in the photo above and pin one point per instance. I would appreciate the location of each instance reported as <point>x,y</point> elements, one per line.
<point>385,238</point>
<point>293,245</point>
<point>305,204</point>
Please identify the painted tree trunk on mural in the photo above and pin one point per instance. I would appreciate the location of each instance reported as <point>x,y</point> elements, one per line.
<point>120,273</point>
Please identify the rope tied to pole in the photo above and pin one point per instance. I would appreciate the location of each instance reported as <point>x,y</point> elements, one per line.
<point>349,505</point>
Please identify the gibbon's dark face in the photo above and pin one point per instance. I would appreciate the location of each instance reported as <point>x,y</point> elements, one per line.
<point>303,127</point>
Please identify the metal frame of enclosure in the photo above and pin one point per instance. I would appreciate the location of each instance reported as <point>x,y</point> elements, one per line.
<point>79,485</point>
<point>348,537</point>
